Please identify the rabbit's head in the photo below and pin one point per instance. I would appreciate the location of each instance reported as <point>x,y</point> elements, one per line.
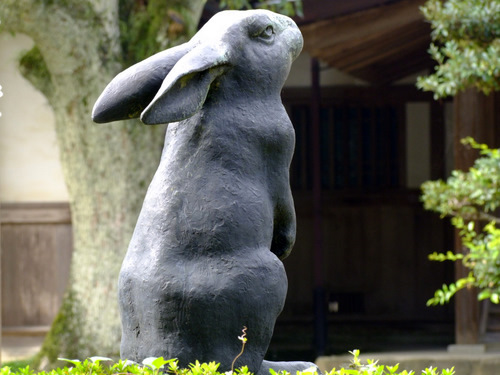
<point>242,53</point>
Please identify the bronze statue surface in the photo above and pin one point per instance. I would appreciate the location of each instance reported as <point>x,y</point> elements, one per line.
<point>205,257</point>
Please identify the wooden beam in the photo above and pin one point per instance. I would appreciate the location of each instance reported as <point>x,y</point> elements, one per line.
<point>366,43</point>
<point>26,213</point>
<point>360,25</point>
<point>315,10</point>
<point>362,94</point>
<point>392,46</point>
<point>389,71</point>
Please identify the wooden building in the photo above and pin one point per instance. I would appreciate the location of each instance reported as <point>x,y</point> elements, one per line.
<point>359,273</point>
<point>362,229</point>
<point>353,168</point>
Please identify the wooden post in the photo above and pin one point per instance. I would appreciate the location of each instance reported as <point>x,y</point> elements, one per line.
<point>474,116</point>
<point>320,318</point>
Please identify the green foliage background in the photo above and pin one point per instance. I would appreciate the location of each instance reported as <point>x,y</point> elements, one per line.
<point>471,199</point>
<point>466,47</point>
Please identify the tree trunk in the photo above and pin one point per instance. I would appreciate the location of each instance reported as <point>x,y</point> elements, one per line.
<point>475,117</point>
<point>107,168</point>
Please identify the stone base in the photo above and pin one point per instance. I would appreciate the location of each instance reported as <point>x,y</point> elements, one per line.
<point>464,362</point>
<point>490,347</point>
<point>292,367</point>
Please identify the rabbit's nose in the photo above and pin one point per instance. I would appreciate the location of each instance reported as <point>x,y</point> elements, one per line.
<point>293,35</point>
<point>297,43</point>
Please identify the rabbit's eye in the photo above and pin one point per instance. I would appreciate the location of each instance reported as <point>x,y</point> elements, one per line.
<point>267,33</point>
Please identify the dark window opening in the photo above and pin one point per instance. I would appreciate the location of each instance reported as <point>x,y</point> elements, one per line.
<point>360,147</point>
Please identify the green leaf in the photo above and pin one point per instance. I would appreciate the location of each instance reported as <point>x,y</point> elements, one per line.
<point>156,363</point>
<point>495,298</point>
<point>73,361</point>
<point>98,359</point>
<point>484,294</point>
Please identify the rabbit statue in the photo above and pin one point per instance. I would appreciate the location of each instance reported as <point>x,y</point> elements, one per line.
<point>205,257</point>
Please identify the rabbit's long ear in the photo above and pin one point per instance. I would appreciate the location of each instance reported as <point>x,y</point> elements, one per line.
<point>132,90</point>
<point>185,88</point>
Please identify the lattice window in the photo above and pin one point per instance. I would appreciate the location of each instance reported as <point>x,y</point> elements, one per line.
<point>360,146</point>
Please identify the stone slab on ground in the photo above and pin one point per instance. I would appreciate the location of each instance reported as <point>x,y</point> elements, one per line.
<point>20,347</point>
<point>471,363</point>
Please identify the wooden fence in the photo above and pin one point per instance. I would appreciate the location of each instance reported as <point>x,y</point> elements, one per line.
<point>36,246</point>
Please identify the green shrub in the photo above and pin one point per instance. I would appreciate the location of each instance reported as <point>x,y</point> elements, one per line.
<point>466,46</point>
<point>157,366</point>
<point>372,367</point>
<point>471,199</point>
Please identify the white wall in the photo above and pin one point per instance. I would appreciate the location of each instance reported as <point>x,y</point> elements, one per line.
<point>417,144</point>
<point>449,121</point>
<point>300,75</point>
<point>29,156</point>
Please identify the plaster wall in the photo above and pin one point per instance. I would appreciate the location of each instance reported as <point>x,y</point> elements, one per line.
<point>417,144</point>
<point>418,148</point>
<point>449,120</point>
<point>29,155</point>
<point>300,75</point>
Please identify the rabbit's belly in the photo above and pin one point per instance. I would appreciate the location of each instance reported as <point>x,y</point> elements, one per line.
<point>203,218</point>
<point>196,309</point>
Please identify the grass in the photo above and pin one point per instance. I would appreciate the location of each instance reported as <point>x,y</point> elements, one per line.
<point>18,364</point>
